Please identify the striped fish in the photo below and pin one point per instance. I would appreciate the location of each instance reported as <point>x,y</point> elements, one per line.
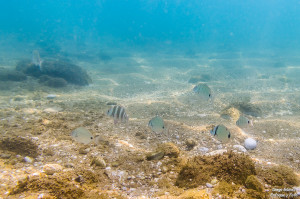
<point>203,90</point>
<point>221,133</point>
<point>118,113</point>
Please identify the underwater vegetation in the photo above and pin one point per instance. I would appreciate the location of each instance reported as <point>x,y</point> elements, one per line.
<point>230,167</point>
<point>19,145</point>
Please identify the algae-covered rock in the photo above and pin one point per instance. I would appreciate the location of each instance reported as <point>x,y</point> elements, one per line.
<point>155,155</point>
<point>253,183</point>
<point>19,145</point>
<point>226,189</point>
<point>247,108</point>
<point>229,167</point>
<point>56,69</point>
<point>280,176</point>
<point>230,113</point>
<point>169,149</point>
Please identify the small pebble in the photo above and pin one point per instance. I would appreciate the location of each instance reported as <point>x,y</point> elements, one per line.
<point>50,169</point>
<point>51,96</point>
<point>209,185</point>
<point>240,148</point>
<point>99,162</point>
<point>28,159</point>
<point>214,181</point>
<point>250,144</point>
<point>5,156</point>
<point>190,143</point>
<point>79,178</point>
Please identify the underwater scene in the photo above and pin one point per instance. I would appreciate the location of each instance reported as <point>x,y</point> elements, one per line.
<point>149,99</point>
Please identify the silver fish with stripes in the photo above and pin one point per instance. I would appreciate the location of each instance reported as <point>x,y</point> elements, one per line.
<point>221,133</point>
<point>204,91</point>
<point>118,113</point>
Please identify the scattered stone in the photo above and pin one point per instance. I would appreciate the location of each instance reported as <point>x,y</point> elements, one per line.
<point>28,159</point>
<point>240,148</point>
<point>203,150</point>
<point>111,103</point>
<point>84,150</point>
<point>155,155</point>
<point>69,165</point>
<point>217,152</point>
<point>79,179</point>
<point>98,162</point>
<point>53,110</point>
<point>50,169</point>
<point>190,143</point>
<point>214,181</point>
<point>51,96</point>
<point>5,155</point>
<point>250,144</point>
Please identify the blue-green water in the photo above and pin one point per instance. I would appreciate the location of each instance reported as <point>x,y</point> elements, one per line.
<point>146,56</point>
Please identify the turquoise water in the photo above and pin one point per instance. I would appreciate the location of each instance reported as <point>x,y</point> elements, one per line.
<point>146,56</point>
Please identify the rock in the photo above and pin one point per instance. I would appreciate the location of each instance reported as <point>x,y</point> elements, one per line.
<point>98,162</point>
<point>84,150</point>
<point>190,143</point>
<point>208,185</point>
<point>28,159</point>
<point>250,144</point>
<point>230,113</point>
<point>71,73</point>
<point>217,152</point>
<point>240,148</point>
<point>53,110</point>
<point>111,103</point>
<point>155,155</point>
<point>214,181</point>
<point>50,169</point>
<point>54,82</point>
<point>169,149</point>
<point>5,155</point>
<point>79,179</point>
<point>11,75</point>
<point>203,149</point>
<point>253,183</point>
<point>247,108</point>
<point>51,96</point>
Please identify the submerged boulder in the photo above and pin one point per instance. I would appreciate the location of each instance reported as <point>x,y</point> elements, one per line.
<point>71,73</point>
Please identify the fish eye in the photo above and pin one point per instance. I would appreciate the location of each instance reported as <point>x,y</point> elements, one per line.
<point>248,122</point>
<point>209,95</point>
<point>91,138</point>
<point>163,127</point>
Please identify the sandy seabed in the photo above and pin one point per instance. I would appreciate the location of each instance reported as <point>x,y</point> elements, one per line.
<point>35,131</point>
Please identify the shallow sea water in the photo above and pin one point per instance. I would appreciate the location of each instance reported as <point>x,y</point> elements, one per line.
<point>149,90</point>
